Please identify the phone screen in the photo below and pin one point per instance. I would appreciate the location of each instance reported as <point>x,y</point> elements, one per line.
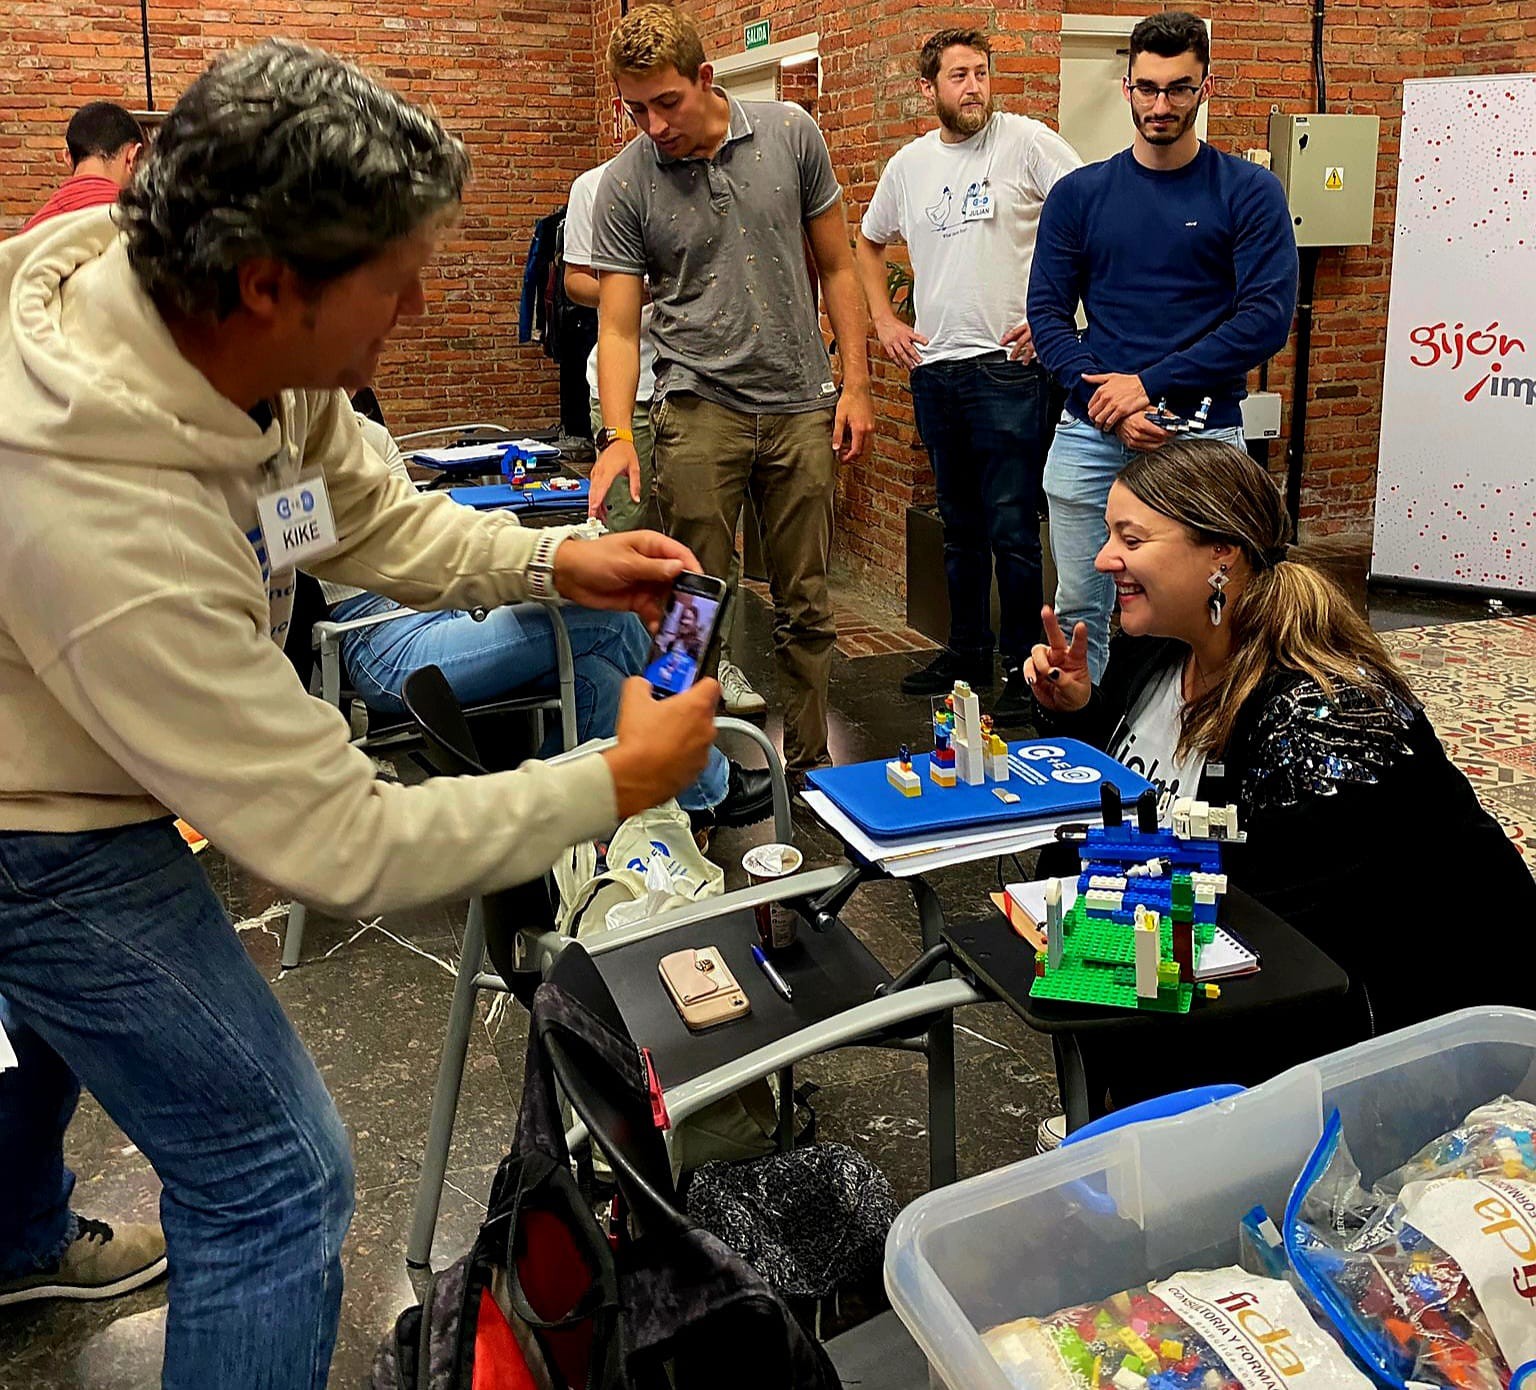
<point>678,651</point>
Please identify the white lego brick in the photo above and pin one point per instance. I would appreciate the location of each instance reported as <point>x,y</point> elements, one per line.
<point>1200,821</point>
<point>1146,955</point>
<point>1055,930</point>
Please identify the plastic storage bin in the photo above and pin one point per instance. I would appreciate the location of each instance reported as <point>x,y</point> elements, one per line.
<point>1143,1202</point>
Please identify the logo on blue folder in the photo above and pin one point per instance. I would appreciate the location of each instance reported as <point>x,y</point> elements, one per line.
<point>1062,768</point>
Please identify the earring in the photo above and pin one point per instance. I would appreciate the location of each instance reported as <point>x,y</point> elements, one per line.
<point>1218,598</point>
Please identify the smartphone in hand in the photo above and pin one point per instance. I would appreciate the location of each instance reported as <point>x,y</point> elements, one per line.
<point>687,632</point>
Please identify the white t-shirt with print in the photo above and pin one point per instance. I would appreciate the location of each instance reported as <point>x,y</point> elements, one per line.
<point>1151,735</point>
<point>578,251</point>
<point>971,269</point>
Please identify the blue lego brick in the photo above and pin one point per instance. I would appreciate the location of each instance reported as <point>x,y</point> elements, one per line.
<point>1124,844</point>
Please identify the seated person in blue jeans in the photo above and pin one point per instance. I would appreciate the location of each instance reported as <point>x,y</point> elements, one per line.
<point>1241,675</point>
<point>511,652</point>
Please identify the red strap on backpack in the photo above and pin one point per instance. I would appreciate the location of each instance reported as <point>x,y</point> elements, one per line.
<point>659,1115</point>
<point>499,1361</point>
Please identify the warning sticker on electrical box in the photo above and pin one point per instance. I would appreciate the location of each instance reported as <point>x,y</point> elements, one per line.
<point>1333,180</point>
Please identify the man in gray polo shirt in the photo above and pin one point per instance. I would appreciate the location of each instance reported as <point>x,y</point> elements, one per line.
<point>717,207</point>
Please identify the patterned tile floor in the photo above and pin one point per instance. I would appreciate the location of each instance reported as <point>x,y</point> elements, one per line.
<point>1478,684</point>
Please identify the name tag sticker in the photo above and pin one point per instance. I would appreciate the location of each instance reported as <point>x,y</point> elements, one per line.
<point>978,205</point>
<point>296,522</point>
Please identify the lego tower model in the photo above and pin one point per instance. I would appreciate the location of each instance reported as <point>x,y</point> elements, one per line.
<point>970,755</point>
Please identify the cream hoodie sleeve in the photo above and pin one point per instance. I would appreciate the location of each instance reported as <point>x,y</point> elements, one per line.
<point>158,649</point>
<point>420,549</point>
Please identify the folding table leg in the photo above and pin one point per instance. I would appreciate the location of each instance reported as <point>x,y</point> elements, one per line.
<point>786,1109</point>
<point>1072,1080</point>
<point>445,1095</point>
<point>293,934</point>
<point>942,1165</point>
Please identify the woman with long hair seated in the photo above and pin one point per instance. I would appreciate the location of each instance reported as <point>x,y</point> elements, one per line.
<point>1242,675</point>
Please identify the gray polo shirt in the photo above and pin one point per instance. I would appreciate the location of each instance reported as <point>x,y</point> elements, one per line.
<point>734,319</point>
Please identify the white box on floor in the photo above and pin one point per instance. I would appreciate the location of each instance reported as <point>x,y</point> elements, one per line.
<point>1144,1202</point>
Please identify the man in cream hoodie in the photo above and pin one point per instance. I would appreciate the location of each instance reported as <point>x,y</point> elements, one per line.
<point>174,439</point>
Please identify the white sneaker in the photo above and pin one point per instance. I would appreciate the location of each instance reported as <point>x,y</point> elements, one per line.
<point>1049,1133</point>
<point>739,697</point>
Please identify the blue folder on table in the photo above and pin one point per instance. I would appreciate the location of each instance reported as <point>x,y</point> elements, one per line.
<point>536,497</point>
<point>1054,779</point>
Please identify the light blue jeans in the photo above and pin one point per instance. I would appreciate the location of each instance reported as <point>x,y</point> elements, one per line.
<point>120,968</point>
<point>1079,471</point>
<point>511,652</point>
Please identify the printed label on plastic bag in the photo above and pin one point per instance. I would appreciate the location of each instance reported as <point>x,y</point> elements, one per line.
<point>1260,1329</point>
<point>1488,1226</point>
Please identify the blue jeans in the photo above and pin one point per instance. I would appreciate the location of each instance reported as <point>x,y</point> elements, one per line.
<point>985,422</point>
<point>512,651</point>
<point>120,967</point>
<point>1083,465</point>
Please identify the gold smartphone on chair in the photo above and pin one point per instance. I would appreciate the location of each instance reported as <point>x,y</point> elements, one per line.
<point>702,988</point>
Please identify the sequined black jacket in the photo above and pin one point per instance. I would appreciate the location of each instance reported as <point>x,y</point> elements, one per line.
<point>1361,833</point>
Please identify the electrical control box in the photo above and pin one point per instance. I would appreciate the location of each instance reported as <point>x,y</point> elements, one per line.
<point>1261,415</point>
<point>1327,166</point>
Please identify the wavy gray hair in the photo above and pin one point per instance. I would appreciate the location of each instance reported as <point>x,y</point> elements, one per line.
<point>283,151</point>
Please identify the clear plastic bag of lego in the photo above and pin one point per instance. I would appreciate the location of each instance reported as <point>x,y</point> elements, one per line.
<point>1430,1274</point>
<point>1216,1329</point>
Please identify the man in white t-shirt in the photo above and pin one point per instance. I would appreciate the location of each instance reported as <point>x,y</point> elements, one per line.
<point>624,513</point>
<point>966,199</point>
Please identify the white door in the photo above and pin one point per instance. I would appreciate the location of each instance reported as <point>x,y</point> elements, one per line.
<point>753,84</point>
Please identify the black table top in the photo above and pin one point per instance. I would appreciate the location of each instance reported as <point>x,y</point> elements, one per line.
<point>1293,971</point>
<point>828,972</point>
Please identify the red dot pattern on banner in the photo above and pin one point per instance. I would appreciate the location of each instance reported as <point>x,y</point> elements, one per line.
<point>1487,118</point>
<point>1449,135</point>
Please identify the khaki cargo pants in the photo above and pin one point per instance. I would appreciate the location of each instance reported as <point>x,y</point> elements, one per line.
<point>708,457</point>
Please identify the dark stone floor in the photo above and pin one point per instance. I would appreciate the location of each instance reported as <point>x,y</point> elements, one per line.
<point>371,1003</point>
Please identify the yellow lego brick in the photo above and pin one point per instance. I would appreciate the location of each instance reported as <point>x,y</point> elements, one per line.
<point>1138,1348</point>
<point>1170,1351</point>
<point>1212,991</point>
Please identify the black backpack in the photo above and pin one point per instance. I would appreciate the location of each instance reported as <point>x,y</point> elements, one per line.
<point>545,1299</point>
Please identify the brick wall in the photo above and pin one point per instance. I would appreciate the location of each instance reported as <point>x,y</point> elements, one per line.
<point>515,83</point>
<point>869,106</point>
<point>526,89</point>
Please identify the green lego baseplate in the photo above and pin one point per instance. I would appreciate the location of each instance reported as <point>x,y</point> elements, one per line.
<point>1098,965</point>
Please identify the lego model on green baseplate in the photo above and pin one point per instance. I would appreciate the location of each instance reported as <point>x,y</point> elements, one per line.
<point>1098,968</point>
<point>1146,907</point>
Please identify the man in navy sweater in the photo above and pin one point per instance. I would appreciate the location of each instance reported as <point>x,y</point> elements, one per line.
<point>1185,262</point>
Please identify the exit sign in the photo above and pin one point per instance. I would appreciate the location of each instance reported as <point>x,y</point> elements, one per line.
<point>757,34</point>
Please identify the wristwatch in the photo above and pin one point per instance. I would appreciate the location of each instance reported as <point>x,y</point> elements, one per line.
<point>541,569</point>
<point>606,436</point>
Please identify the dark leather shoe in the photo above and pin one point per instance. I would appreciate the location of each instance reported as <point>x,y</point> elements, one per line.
<point>938,677</point>
<point>748,800</point>
<point>1015,708</point>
